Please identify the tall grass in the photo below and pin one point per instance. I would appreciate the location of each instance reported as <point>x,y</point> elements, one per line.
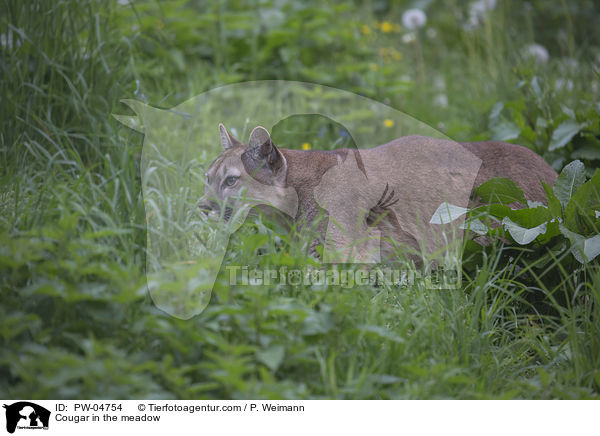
<point>76,320</point>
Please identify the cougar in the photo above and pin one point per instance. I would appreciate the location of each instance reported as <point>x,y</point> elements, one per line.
<point>375,202</point>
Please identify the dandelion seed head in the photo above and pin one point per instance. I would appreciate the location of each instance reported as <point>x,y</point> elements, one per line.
<point>414,19</point>
<point>537,52</point>
<point>478,11</point>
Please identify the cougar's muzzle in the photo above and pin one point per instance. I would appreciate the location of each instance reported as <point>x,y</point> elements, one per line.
<point>211,207</point>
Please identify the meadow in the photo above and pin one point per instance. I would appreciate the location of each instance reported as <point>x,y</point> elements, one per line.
<point>76,317</point>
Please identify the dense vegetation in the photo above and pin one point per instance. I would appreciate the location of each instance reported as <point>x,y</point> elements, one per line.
<point>76,319</point>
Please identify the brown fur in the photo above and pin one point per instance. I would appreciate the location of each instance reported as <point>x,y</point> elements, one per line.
<point>521,165</point>
<point>391,182</point>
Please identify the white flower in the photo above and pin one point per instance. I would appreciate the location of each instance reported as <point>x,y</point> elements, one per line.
<point>478,11</point>
<point>537,52</point>
<point>414,18</point>
<point>431,32</point>
<point>440,100</point>
<point>408,38</point>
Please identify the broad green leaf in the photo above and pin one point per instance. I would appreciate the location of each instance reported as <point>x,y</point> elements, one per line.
<point>569,180</point>
<point>496,110</point>
<point>552,230</point>
<point>500,190</point>
<point>446,213</point>
<point>504,131</point>
<point>583,249</point>
<point>580,214</point>
<point>567,111</point>
<point>553,203</point>
<point>272,356</point>
<point>523,235</point>
<point>563,134</point>
<point>588,152</point>
<point>530,218</point>
<point>527,218</point>
<point>496,210</point>
<point>475,225</point>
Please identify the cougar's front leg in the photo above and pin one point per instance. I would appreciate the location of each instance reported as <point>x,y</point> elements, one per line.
<point>319,239</point>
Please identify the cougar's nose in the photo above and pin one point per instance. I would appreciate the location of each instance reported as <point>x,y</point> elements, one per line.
<point>204,205</point>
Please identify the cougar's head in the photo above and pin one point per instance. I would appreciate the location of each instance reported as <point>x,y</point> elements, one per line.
<point>251,174</point>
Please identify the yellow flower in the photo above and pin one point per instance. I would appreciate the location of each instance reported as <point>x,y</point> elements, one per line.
<point>306,146</point>
<point>365,30</point>
<point>386,27</point>
<point>373,67</point>
<point>388,123</point>
<point>396,55</point>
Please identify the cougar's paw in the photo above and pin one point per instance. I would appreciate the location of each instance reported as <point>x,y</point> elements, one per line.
<point>312,250</point>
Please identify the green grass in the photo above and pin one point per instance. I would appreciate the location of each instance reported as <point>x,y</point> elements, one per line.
<point>76,319</point>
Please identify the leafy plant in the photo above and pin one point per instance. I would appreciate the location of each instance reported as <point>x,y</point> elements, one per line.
<point>571,213</point>
<point>76,318</point>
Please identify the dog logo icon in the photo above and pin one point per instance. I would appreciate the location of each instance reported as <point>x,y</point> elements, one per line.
<point>26,415</point>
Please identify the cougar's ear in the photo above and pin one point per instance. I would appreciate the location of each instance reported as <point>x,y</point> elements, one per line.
<point>262,153</point>
<point>227,139</point>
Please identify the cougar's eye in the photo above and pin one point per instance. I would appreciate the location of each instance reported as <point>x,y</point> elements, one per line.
<point>230,181</point>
